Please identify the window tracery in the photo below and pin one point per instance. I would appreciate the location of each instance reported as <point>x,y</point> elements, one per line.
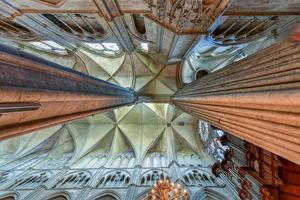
<point>104,48</point>
<point>153,176</point>
<point>13,30</point>
<point>48,46</point>
<point>85,27</point>
<point>73,180</point>
<point>115,179</point>
<point>211,140</point>
<point>31,181</point>
<point>237,30</point>
<point>198,178</point>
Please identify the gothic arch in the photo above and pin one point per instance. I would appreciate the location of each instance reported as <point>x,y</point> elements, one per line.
<point>107,195</point>
<point>150,177</point>
<point>60,196</point>
<point>10,196</point>
<point>115,178</point>
<point>73,179</point>
<point>32,180</point>
<point>198,177</point>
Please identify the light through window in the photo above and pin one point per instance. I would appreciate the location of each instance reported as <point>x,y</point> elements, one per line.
<point>144,47</point>
<point>106,48</point>
<point>49,46</point>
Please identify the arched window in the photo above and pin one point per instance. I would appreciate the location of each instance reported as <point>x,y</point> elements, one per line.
<point>31,181</point>
<point>49,46</point>
<point>84,27</point>
<point>203,130</point>
<point>210,137</point>
<point>114,179</point>
<point>151,177</point>
<point>73,180</point>
<point>10,29</point>
<point>104,48</point>
<point>198,178</point>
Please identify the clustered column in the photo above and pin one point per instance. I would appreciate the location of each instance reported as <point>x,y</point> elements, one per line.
<point>256,99</point>
<point>35,94</point>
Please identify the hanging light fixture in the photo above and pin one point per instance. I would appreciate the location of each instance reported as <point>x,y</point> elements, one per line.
<point>165,190</point>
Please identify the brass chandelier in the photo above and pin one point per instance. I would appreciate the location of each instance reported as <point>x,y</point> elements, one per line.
<point>164,190</point>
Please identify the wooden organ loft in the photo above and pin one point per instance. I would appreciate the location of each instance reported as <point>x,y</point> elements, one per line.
<point>253,172</point>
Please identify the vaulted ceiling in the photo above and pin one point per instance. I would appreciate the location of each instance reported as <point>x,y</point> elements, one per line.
<point>152,47</point>
<point>134,130</point>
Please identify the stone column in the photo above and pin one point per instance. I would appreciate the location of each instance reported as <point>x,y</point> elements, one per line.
<point>256,99</point>
<point>36,193</point>
<point>55,177</point>
<point>92,184</point>
<point>135,180</point>
<point>35,94</point>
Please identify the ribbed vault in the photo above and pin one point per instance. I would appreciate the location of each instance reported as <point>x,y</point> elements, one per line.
<point>132,132</point>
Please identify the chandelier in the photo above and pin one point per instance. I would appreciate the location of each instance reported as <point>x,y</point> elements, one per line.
<point>164,190</point>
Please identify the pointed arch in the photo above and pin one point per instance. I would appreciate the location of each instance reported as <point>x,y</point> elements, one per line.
<point>60,196</point>
<point>106,195</point>
<point>10,196</point>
